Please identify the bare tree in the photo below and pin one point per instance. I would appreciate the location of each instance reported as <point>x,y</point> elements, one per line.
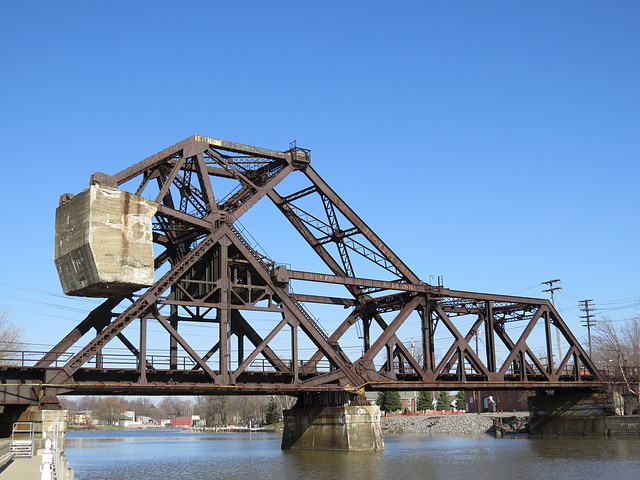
<point>214,409</point>
<point>176,407</point>
<point>10,339</point>
<point>285,402</point>
<point>242,410</point>
<point>617,349</point>
<point>111,410</point>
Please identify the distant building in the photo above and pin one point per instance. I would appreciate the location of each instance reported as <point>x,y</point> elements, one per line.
<point>407,399</point>
<point>188,421</point>
<point>81,418</point>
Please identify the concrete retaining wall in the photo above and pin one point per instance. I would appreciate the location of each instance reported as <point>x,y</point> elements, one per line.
<point>581,414</point>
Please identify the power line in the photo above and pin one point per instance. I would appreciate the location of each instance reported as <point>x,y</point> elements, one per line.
<point>525,289</point>
<point>46,304</point>
<point>45,292</point>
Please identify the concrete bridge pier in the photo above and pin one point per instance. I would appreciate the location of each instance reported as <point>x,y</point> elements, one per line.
<point>9,414</point>
<point>48,424</point>
<point>332,421</point>
<point>581,413</point>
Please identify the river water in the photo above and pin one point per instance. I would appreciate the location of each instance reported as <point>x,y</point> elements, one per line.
<point>179,454</point>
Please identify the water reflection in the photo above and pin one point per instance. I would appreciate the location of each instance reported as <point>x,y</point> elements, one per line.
<point>177,454</point>
<point>333,465</point>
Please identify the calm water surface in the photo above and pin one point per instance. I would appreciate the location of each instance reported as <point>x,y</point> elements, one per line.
<point>179,454</point>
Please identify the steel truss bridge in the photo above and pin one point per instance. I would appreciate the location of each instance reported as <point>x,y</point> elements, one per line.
<point>211,273</point>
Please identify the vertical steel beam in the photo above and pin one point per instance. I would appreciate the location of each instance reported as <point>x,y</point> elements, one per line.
<point>224,313</point>
<point>549,345</point>
<point>390,371</point>
<point>490,340</point>
<point>173,343</point>
<point>366,332</point>
<point>428,330</point>
<point>142,357</point>
<point>294,351</point>
<point>240,346</point>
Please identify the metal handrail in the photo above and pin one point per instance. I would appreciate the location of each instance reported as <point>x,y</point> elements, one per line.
<point>17,443</point>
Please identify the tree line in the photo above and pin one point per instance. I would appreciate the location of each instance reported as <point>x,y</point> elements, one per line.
<point>215,410</point>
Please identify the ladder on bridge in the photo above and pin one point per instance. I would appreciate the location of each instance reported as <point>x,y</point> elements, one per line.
<point>268,265</point>
<point>22,439</point>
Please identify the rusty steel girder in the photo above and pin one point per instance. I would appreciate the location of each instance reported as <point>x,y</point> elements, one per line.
<point>214,275</point>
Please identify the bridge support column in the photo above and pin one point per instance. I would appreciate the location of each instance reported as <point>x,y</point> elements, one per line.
<point>332,421</point>
<point>9,414</point>
<point>577,413</point>
<point>48,424</point>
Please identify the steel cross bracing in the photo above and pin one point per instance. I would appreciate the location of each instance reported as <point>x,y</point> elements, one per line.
<point>216,277</point>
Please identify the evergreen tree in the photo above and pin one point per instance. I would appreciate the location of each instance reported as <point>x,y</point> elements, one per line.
<point>443,402</point>
<point>425,400</point>
<point>273,412</point>
<point>389,401</point>
<point>393,402</point>
<point>460,400</point>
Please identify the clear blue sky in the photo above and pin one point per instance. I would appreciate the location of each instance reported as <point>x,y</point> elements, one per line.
<point>495,143</point>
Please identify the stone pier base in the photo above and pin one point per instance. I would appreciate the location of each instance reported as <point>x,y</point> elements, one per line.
<point>344,428</point>
<point>580,414</point>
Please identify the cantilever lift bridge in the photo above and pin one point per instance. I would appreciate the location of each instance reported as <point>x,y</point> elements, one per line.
<point>210,272</point>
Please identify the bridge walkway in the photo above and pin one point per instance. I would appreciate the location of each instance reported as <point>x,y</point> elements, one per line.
<point>23,468</point>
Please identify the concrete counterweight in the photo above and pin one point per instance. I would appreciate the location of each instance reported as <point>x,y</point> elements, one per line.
<point>103,243</point>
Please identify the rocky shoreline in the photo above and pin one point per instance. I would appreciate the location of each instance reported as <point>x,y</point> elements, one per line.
<point>455,425</point>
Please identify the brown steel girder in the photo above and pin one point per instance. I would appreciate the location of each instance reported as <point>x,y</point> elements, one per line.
<point>214,269</point>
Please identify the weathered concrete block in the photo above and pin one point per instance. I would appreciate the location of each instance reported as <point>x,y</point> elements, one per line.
<point>579,413</point>
<point>346,428</point>
<point>103,243</point>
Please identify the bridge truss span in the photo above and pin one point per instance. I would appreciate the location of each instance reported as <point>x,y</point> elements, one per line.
<point>222,318</point>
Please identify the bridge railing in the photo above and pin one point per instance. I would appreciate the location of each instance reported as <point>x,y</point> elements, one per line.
<point>568,370</point>
<point>619,373</point>
<point>305,367</point>
<point>28,358</point>
<point>111,360</point>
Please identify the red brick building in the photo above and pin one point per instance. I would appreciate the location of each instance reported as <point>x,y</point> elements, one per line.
<point>184,421</point>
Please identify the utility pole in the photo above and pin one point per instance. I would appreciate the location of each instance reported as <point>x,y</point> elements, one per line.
<point>553,302</point>
<point>589,321</point>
